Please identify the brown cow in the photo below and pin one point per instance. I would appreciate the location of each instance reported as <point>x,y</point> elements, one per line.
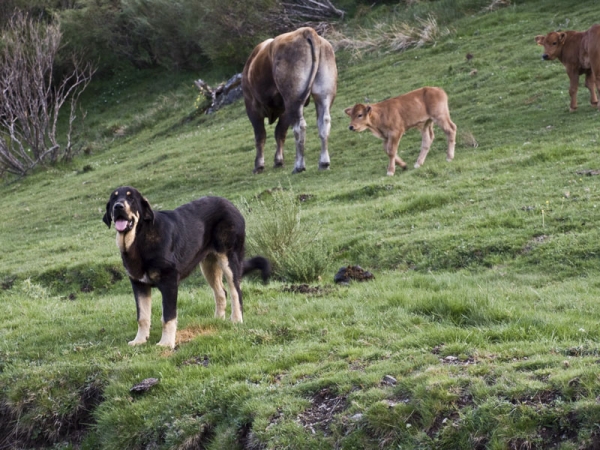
<point>579,51</point>
<point>277,81</point>
<point>390,118</point>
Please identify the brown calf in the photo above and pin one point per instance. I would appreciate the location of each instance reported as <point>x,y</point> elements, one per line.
<point>389,120</point>
<point>579,51</point>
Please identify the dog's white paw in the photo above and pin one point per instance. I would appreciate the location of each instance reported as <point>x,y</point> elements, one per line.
<point>138,341</point>
<point>166,343</point>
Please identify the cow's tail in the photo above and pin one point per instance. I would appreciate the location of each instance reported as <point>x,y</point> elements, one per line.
<point>310,36</point>
<point>258,263</point>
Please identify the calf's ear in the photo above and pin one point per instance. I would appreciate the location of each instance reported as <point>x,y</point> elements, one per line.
<point>348,111</point>
<point>540,39</point>
<point>561,37</point>
<point>147,213</point>
<point>368,109</point>
<point>106,217</point>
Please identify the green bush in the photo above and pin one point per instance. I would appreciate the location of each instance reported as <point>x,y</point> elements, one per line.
<point>293,244</point>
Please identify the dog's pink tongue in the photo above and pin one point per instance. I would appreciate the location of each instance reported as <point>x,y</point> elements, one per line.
<point>121,225</point>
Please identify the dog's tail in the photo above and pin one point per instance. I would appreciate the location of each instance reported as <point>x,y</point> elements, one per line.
<point>258,263</point>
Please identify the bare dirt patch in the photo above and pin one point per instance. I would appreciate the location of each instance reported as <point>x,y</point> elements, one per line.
<point>190,333</point>
<point>324,406</point>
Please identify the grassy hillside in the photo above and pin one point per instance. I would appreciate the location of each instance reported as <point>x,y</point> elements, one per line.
<point>478,331</point>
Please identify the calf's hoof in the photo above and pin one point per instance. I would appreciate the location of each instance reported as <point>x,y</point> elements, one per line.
<point>417,165</point>
<point>390,174</point>
<point>258,170</point>
<point>298,170</point>
<point>324,166</point>
<point>277,164</point>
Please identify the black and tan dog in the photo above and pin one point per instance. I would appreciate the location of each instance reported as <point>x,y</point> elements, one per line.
<point>161,248</point>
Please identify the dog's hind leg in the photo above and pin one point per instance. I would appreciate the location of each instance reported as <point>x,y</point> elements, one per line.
<point>214,276</point>
<point>143,304</point>
<point>232,268</point>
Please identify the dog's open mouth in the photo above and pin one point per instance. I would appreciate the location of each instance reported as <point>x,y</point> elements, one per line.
<point>122,225</point>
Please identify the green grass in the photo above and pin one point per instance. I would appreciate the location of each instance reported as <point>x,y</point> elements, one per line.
<point>484,303</point>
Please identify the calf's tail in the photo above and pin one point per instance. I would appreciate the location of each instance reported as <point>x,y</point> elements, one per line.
<point>258,263</point>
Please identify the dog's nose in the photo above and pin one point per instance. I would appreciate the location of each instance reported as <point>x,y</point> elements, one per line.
<point>351,128</point>
<point>119,206</point>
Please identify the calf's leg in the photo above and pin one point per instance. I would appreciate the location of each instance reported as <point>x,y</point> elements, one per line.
<point>427,136</point>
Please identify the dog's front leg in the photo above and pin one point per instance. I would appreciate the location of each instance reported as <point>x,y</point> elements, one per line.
<point>143,304</point>
<point>169,319</point>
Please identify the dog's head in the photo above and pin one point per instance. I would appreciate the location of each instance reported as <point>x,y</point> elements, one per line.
<point>126,208</point>
<point>359,117</point>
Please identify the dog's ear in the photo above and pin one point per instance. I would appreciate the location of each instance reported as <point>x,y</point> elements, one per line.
<point>106,218</point>
<point>147,213</point>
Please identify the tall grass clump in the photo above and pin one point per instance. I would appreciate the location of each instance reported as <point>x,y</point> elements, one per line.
<point>278,230</point>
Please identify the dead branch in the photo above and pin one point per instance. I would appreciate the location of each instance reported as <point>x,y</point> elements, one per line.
<point>224,94</point>
<point>31,99</point>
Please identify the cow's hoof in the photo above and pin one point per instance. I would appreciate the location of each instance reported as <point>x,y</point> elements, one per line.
<point>449,159</point>
<point>298,170</point>
<point>573,109</point>
<point>390,174</point>
<point>417,165</point>
<point>594,103</point>
<point>258,170</point>
<point>324,166</point>
<point>277,164</point>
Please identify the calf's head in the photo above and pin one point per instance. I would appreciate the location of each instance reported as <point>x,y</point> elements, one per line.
<point>126,208</point>
<point>359,117</point>
<point>552,43</point>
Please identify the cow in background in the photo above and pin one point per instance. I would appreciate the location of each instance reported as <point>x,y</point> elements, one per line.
<point>579,51</point>
<point>278,79</point>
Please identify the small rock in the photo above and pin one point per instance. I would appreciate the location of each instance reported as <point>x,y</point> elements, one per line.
<point>144,386</point>
<point>388,379</point>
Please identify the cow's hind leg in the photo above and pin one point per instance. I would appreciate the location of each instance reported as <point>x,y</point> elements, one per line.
<point>299,127</point>
<point>214,276</point>
<point>231,265</point>
<point>280,134</point>
<point>324,123</point>
<point>427,136</point>
<point>260,136</point>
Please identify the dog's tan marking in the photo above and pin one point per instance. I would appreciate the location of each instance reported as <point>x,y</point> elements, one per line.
<point>169,332</point>
<point>116,192</point>
<point>145,307</point>
<point>214,275</point>
<point>236,309</point>
<point>128,192</point>
<point>125,240</point>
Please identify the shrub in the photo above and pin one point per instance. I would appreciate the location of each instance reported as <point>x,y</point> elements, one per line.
<point>278,231</point>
